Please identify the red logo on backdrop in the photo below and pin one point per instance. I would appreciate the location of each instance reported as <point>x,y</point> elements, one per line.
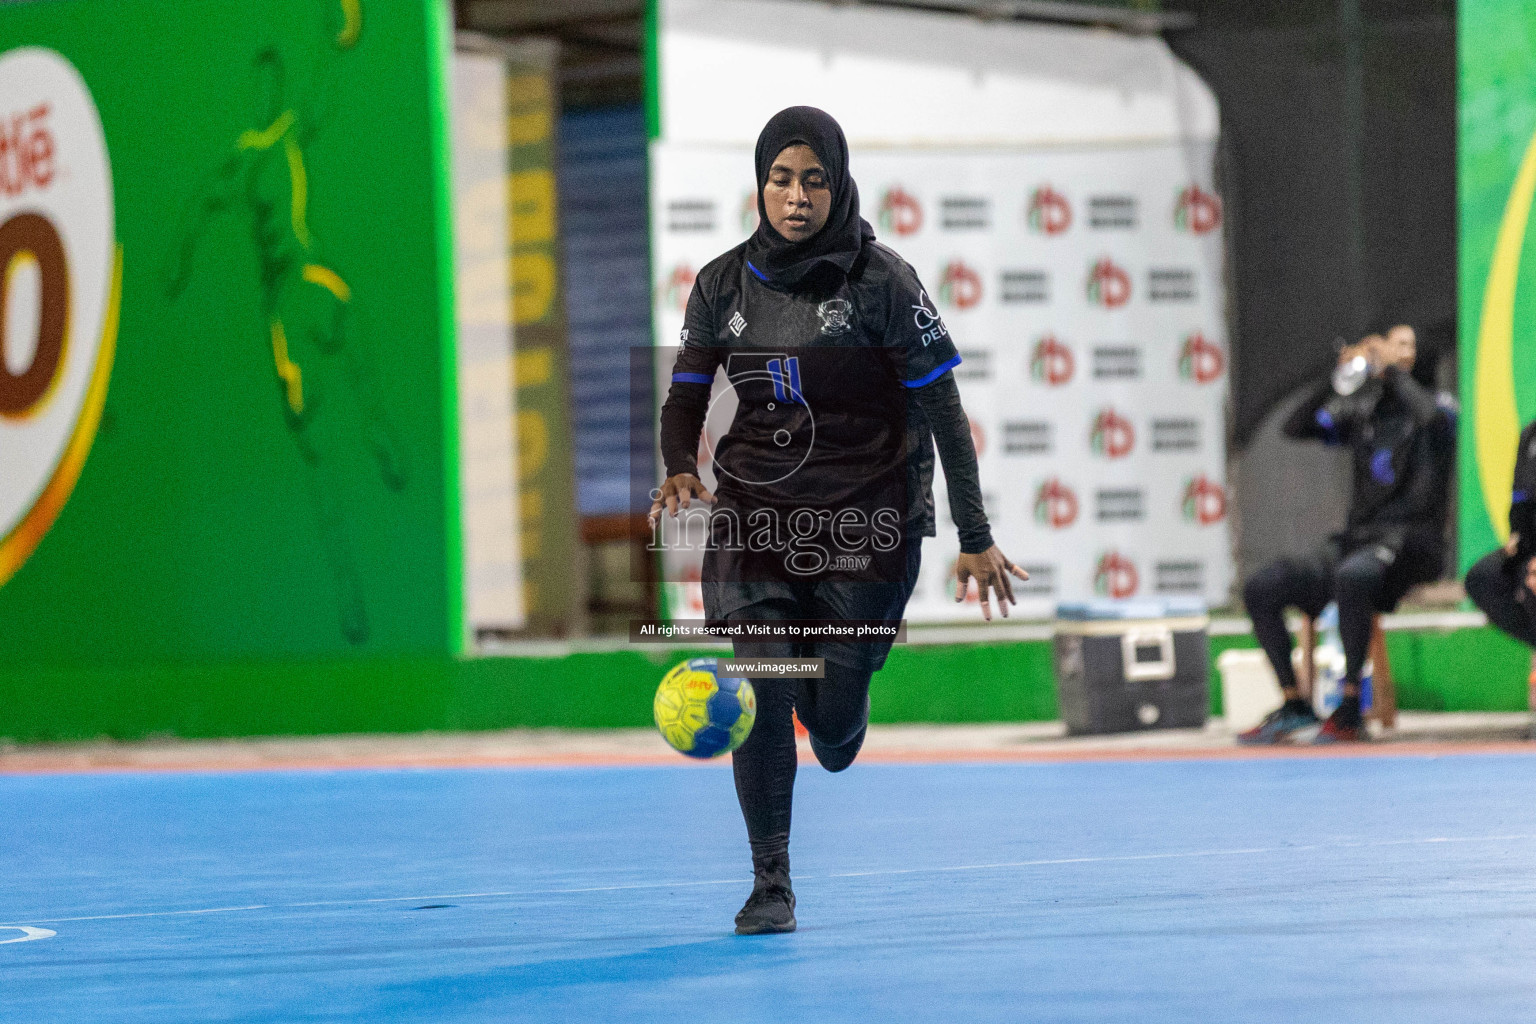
<point>1115,576</point>
<point>960,286</point>
<point>1052,362</point>
<point>1055,505</point>
<point>1205,501</point>
<point>674,290</point>
<point>978,436</point>
<point>749,216</point>
<point>900,211</point>
<point>1049,213</point>
<point>1197,211</point>
<point>1201,361</point>
<point>1113,436</point>
<point>1108,285</point>
<point>26,151</point>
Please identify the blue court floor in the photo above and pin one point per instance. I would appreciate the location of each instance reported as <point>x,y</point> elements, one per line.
<point>1381,889</point>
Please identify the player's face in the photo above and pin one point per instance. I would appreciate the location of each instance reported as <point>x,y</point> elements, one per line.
<point>797,196</point>
<point>1401,347</point>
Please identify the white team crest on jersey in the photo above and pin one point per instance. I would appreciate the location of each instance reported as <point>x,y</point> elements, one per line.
<point>738,323</point>
<point>836,316</point>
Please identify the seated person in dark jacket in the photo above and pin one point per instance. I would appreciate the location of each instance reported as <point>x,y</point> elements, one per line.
<point>1402,445</point>
<point>1503,582</point>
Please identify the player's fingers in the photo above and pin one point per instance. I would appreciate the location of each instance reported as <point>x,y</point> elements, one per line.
<point>704,494</point>
<point>998,584</point>
<point>1020,573</point>
<point>687,493</point>
<point>986,608</point>
<point>962,583</point>
<point>1005,589</point>
<point>672,504</point>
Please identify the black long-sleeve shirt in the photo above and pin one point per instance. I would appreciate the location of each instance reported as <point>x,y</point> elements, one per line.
<point>1402,447</point>
<point>843,388</point>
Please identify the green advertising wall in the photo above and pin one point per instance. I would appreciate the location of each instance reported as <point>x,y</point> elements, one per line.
<point>274,477</point>
<point>1496,167</point>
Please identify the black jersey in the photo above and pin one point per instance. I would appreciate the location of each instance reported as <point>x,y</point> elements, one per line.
<point>1402,446</point>
<point>825,379</point>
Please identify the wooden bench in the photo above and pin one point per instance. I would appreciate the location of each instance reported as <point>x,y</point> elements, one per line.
<point>1383,689</point>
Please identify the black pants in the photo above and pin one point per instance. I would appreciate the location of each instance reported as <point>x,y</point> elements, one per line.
<point>1367,580</point>
<point>834,710</point>
<point>1496,584</point>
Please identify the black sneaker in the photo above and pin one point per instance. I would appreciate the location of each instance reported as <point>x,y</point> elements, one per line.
<point>1281,724</point>
<point>1345,725</point>
<point>770,908</point>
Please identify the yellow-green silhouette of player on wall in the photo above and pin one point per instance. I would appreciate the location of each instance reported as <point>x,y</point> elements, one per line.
<point>324,382</point>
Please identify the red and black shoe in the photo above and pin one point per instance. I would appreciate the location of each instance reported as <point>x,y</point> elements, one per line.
<point>1345,725</point>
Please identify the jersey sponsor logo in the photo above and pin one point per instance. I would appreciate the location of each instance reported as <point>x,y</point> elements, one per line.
<point>1112,435</point>
<point>1055,505</point>
<point>1115,576</point>
<point>738,323</point>
<point>1052,363</point>
<point>1196,211</point>
<point>1109,285</point>
<point>1048,212</point>
<point>836,316</point>
<point>1200,360</point>
<point>1205,501</point>
<point>59,290</point>
<point>676,286</point>
<point>926,319</point>
<point>959,285</point>
<point>900,211</point>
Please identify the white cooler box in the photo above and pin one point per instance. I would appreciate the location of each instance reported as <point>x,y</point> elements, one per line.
<point>1126,666</point>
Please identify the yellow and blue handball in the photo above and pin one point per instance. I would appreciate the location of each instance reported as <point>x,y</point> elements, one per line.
<point>701,713</point>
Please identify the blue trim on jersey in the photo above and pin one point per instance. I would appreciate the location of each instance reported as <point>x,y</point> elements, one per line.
<point>1520,496</point>
<point>933,375</point>
<point>692,378</point>
<point>757,273</point>
<point>1324,419</point>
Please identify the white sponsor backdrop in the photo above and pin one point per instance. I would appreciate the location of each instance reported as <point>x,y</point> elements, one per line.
<point>1083,289</point>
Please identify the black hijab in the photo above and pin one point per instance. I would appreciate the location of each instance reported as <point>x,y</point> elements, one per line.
<point>778,260</point>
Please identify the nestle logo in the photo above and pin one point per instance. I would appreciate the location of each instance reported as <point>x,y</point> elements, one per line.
<point>975,364</point>
<point>687,215</point>
<point>26,152</point>
<point>1027,437</point>
<point>1112,212</point>
<point>1026,286</point>
<point>1171,284</point>
<point>1041,582</point>
<point>1179,577</point>
<point>1126,505</point>
<point>1175,435</point>
<point>1116,362</point>
<point>964,213</point>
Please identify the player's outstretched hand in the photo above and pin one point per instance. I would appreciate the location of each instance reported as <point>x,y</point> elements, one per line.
<point>990,569</point>
<point>679,490</point>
